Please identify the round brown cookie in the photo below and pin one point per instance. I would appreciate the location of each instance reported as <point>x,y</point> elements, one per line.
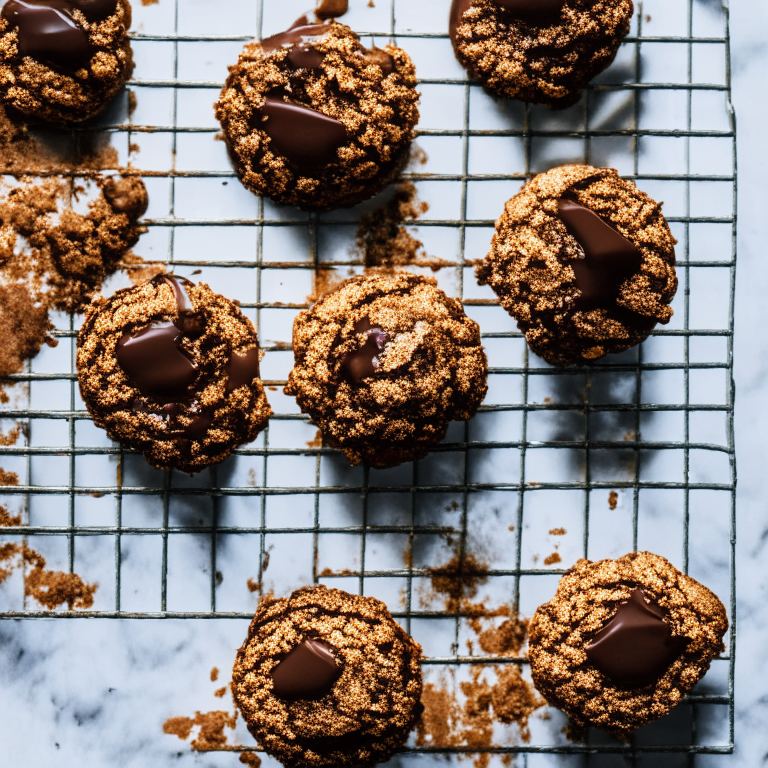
<point>326,678</point>
<point>622,641</point>
<point>171,369</point>
<point>540,51</point>
<point>582,283</point>
<point>63,61</point>
<point>383,364</point>
<point>314,119</point>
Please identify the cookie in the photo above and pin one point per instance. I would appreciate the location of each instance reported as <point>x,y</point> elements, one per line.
<point>171,369</point>
<point>622,641</point>
<point>326,678</point>
<point>63,61</point>
<point>383,364</point>
<point>314,119</point>
<point>584,261</point>
<point>539,51</point>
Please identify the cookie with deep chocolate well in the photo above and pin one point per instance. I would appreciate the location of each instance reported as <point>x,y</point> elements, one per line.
<point>326,679</point>
<point>623,641</point>
<point>63,61</point>
<point>171,369</point>
<point>584,261</point>
<point>312,118</point>
<point>383,364</point>
<point>539,51</point>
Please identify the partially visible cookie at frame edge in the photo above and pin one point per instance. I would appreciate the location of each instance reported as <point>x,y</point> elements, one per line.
<point>623,641</point>
<point>538,51</point>
<point>383,364</point>
<point>328,679</point>
<point>582,284</point>
<point>63,61</point>
<point>314,119</point>
<point>171,369</point>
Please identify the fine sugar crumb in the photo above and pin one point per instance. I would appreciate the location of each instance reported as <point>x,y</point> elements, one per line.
<point>214,674</point>
<point>558,532</point>
<point>553,559</point>
<point>219,693</point>
<point>613,499</point>
<point>211,735</point>
<point>249,758</point>
<point>253,585</point>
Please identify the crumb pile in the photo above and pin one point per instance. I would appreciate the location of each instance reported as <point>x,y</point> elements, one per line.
<point>67,90</point>
<point>367,713</point>
<point>430,371</point>
<point>365,98</point>
<point>586,599</point>
<point>218,409</point>
<point>211,735</point>
<point>540,62</point>
<point>529,265</point>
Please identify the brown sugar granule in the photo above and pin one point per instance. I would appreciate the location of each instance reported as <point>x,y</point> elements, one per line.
<point>553,559</point>
<point>8,478</point>
<point>331,9</point>
<point>211,735</point>
<point>558,532</point>
<point>543,63</point>
<point>250,758</point>
<point>214,674</point>
<point>219,693</point>
<point>613,499</point>
<point>368,711</point>
<point>253,585</point>
<point>60,94</point>
<point>529,265</point>
<point>382,238</point>
<point>12,437</point>
<point>506,639</point>
<point>371,93</point>
<point>179,726</point>
<point>149,2</point>
<point>432,368</point>
<point>586,599</point>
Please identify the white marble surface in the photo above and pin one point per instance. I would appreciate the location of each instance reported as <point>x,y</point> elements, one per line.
<point>98,691</point>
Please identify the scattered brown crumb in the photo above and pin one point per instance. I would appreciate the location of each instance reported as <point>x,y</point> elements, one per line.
<point>132,103</point>
<point>613,499</point>
<point>214,674</point>
<point>134,148</point>
<point>327,280</point>
<point>7,520</point>
<point>558,532</point>
<point>553,559</point>
<point>316,441</point>
<point>371,4</point>
<point>250,758</point>
<point>212,725</point>
<point>8,478</point>
<point>272,389</point>
<point>265,563</point>
<point>253,586</point>
<point>511,527</point>
<point>219,693</point>
<point>630,435</point>
<point>150,2</point>
<point>504,640</point>
<point>331,9</point>
<point>547,400</point>
<point>459,580</point>
<point>382,237</point>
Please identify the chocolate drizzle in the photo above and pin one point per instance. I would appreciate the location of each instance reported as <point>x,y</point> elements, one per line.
<point>609,258</point>
<point>540,12</point>
<point>364,362</point>
<point>46,30</point>
<point>307,138</point>
<point>298,39</point>
<point>307,672</point>
<point>636,646</point>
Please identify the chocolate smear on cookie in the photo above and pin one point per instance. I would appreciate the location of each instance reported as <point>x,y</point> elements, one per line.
<point>307,672</point>
<point>636,646</point>
<point>298,40</point>
<point>364,362</point>
<point>243,368</point>
<point>609,258</point>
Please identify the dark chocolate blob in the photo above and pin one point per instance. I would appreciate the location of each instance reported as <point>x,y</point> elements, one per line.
<point>301,53</point>
<point>539,12</point>
<point>154,362</point>
<point>636,646</point>
<point>307,672</point>
<point>381,58</point>
<point>609,258</point>
<point>243,369</point>
<point>307,138</point>
<point>95,9</point>
<point>46,30</point>
<point>364,362</point>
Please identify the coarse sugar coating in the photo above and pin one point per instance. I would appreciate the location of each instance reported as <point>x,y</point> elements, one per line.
<point>542,60</point>
<point>66,89</point>
<point>366,99</point>
<point>179,385</point>
<point>530,265</point>
<point>586,599</point>
<point>368,711</point>
<point>429,367</point>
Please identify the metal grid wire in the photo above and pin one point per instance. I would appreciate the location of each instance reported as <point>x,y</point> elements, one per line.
<point>545,440</point>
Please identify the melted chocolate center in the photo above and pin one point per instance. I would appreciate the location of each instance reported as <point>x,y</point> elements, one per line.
<point>301,54</point>
<point>636,646</point>
<point>532,11</point>
<point>364,362</point>
<point>609,258</point>
<point>243,369</point>
<point>96,9</point>
<point>46,30</point>
<point>307,138</point>
<point>307,672</point>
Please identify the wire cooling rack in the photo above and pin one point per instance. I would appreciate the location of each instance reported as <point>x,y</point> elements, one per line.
<point>635,452</point>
